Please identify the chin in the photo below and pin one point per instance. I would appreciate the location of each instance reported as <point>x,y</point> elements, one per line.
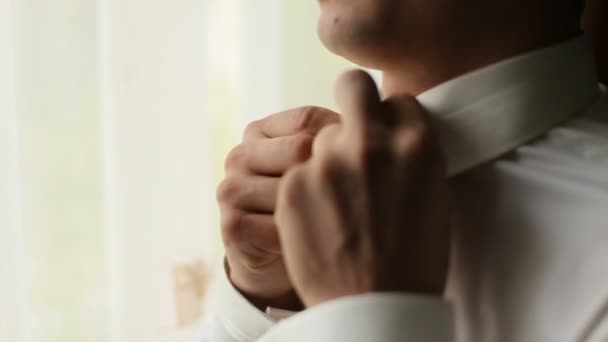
<point>360,35</point>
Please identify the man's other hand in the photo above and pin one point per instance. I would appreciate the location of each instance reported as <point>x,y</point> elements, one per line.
<point>369,211</point>
<point>247,199</point>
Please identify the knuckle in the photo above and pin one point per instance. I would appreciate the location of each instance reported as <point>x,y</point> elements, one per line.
<point>235,157</point>
<point>231,222</point>
<point>228,190</point>
<point>307,117</point>
<point>415,139</point>
<point>253,127</point>
<point>406,108</point>
<point>410,103</point>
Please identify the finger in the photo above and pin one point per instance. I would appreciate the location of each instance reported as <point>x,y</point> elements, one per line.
<point>293,121</point>
<point>272,157</point>
<point>261,232</point>
<point>249,229</point>
<point>300,212</point>
<point>250,193</point>
<point>405,111</point>
<point>358,98</point>
<point>291,199</point>
<point>326,139</point>
<point>413,127</point>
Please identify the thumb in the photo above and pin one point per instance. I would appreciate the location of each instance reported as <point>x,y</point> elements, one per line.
<point>359,101</point>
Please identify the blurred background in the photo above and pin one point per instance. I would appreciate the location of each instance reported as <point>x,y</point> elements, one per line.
<point>115,117</point>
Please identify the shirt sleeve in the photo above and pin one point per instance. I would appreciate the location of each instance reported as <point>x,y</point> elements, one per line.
<point>378,317</point>
<point>384,317</point>
<point>233,318</point>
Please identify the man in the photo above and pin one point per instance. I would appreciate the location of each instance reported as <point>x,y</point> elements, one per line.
<point>476,211</point>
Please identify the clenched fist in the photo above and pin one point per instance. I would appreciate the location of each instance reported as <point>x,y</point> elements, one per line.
<point>369,211</point>
<point>247,199</point>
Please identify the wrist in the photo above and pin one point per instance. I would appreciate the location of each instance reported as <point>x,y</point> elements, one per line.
<point>263,293</point>
<point>287,301</point>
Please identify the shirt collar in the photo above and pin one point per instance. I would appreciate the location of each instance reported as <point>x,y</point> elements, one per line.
<point>486,113</point>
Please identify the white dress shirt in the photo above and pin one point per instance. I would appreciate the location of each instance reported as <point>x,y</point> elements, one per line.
<point>527,147</point>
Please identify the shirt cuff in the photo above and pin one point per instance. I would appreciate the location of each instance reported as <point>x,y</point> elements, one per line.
<point>387,317</point>
<point>241,319</point>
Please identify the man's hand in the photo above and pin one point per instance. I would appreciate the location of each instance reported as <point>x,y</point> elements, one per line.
<point>369,211</point>
<point>247,199</point>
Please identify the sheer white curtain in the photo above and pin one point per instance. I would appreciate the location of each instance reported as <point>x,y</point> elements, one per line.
<point>115,117</point>
<point>12,277</point>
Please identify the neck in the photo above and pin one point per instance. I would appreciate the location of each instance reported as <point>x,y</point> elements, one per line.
<point>412,76</point>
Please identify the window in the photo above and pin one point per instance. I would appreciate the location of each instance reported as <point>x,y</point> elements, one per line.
<point>115,117</point>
